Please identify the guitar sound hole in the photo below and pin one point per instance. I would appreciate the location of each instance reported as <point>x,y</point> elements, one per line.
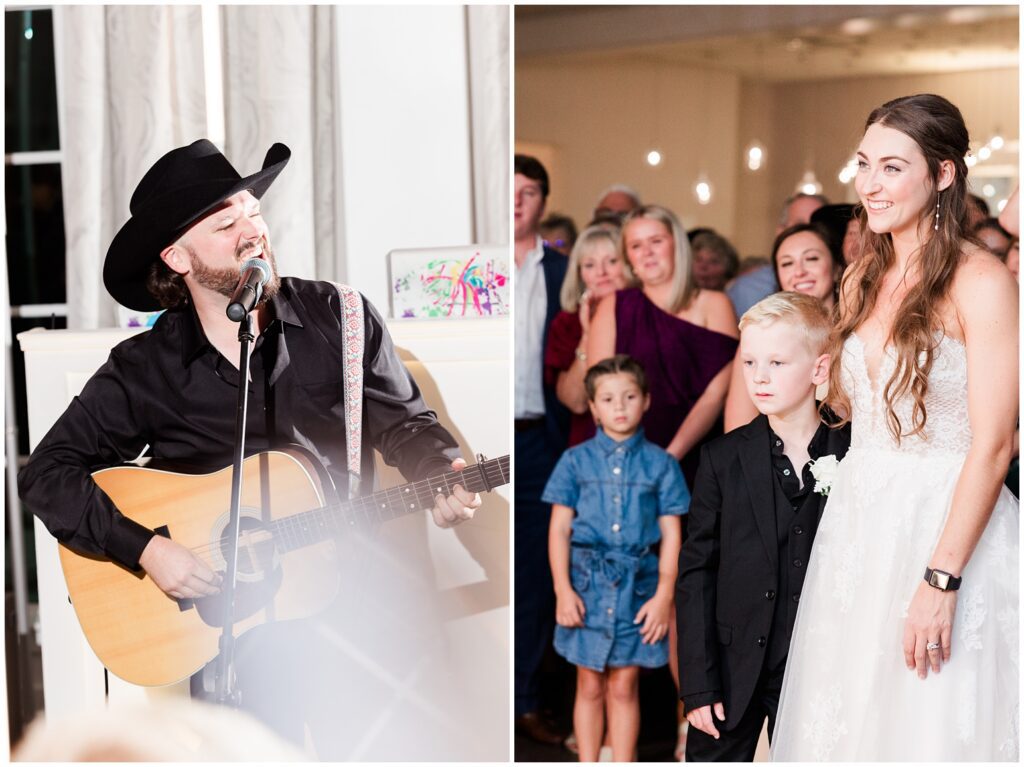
<point>257,554</point>
<point>258,577</point>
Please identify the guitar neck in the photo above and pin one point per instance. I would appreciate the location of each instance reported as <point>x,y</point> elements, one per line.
<point>313,526</point>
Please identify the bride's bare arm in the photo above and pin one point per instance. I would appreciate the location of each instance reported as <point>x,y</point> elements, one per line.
<point>985,297</point>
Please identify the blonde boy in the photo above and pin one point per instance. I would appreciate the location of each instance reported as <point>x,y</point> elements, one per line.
<point>755,510</point>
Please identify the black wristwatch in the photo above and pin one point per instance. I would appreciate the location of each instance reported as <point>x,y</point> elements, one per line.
<point>941,580</point>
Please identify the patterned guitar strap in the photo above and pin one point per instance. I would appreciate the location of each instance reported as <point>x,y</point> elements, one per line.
<point>353,341</point>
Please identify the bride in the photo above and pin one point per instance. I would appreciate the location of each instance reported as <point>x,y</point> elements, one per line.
<point>905,646</point>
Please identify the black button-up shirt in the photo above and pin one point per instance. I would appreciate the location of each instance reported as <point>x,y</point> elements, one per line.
<point>796,519</point>
<point>170,389</point>
<point>793,485</point>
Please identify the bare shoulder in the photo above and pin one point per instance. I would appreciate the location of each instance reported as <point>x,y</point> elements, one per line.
<point>983,288</point>
<point>716,308</point>
<point>980,273</point>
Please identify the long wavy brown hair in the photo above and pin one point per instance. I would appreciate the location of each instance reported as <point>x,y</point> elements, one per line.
<point>938,128</point>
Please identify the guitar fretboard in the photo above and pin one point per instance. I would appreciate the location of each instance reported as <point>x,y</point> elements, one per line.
<point>313,526</point>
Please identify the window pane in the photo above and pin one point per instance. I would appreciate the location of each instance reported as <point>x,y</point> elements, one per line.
<point>35,234</point>
<point>30,94</point>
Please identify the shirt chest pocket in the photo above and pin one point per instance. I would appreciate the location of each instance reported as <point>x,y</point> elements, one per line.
<point>646,494</point>
<point>320,382</point>
<point>323,391</point>
<point>318,402</point>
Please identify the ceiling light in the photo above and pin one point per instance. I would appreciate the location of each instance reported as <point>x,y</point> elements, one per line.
<point>703,192</point>
<point>857,26</point>
<point>988,190</point>
<point>997,142</point>
<point>654,158</point>
<point>965,15</point>
<point>984,153</point>
<point>849,171</point>
<point>971,160</point>
<point>755,156</point>
<point>809,184</point>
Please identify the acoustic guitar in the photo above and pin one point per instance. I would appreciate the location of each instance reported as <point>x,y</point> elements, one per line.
<point>286,566</point>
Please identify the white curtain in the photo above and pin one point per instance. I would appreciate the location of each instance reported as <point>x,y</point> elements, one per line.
<point>132,85</point>
<point>279,81</point>
<point>131,78</point>
<point>488,34</point>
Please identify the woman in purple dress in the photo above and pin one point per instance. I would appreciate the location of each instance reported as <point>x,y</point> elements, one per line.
<point>684,337</point>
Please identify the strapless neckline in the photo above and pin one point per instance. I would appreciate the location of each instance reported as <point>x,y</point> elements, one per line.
<point>947,427</point>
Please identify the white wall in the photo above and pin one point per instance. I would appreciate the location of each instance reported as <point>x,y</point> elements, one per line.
<point>593,122</point>
<point>405,167</point>
<point>600,120</point>
<point>822,122</point>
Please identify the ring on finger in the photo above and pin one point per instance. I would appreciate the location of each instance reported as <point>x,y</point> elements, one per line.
<point>932,646</point>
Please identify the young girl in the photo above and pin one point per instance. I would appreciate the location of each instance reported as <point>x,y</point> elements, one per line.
<point>614,497</point>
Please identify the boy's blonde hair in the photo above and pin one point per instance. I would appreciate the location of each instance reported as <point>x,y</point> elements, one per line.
<point>802,311</point>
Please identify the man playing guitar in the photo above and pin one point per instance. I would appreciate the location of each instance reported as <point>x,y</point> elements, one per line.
<point>194,221</point>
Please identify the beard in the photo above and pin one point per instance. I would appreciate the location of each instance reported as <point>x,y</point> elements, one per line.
<point>225,280</point>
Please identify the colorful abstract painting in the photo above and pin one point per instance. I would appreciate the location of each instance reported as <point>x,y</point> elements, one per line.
<point>450,283</point>
<point>130,318</point>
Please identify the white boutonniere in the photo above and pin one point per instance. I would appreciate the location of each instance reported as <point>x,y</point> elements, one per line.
<point>824,472</point>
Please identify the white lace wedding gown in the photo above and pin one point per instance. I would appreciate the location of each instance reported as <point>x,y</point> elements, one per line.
<point>847,694</point>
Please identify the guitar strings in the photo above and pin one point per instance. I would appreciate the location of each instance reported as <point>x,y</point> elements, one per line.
<point>287,529</point>
<point>296,528</point>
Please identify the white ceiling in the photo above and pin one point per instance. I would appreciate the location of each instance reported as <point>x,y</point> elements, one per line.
<point>775,43</point>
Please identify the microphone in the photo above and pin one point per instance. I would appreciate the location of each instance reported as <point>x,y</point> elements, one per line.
<point>255,274</point>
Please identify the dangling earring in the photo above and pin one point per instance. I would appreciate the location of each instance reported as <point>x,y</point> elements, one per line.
<point>937,195</point>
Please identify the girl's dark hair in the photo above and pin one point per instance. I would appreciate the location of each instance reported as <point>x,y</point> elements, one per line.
<point>938,128</point>
<point>620,363</point>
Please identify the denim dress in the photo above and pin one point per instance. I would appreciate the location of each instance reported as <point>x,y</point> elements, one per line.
<point>618,490</point>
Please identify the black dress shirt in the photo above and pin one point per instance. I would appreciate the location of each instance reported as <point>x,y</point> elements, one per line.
<point>796,519</point>
<point>796,486</point>
<point>170,389</point>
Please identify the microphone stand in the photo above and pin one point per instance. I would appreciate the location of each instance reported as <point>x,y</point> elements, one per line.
<point>226,693</point>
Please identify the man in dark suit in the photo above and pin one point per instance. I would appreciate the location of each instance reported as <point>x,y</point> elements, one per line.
<point>541,430</point>
<point>751,524</point>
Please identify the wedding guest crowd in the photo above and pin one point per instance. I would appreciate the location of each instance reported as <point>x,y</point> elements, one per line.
<point>637,287</point>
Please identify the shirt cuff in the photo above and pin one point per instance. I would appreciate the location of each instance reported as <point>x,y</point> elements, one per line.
<point>436,465</point>
<point>698,699</point>
<point>126,541</point>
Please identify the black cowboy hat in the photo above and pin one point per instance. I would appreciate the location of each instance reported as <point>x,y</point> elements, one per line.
<point>181,187</point>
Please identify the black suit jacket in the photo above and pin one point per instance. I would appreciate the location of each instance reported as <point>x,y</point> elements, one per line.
<point>727,566</point>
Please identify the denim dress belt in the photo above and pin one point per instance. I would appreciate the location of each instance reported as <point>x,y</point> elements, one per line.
<point>613,583</point>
